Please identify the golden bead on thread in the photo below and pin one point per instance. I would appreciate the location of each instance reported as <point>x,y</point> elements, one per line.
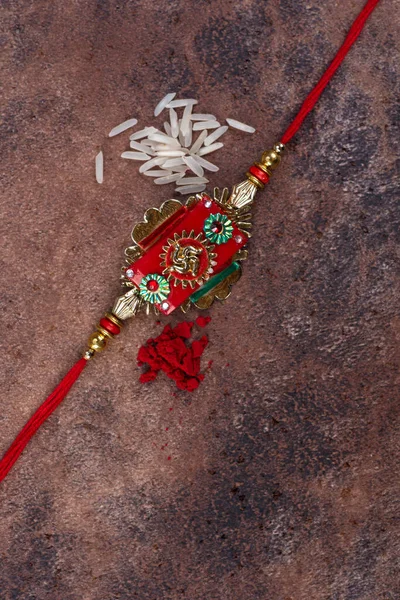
<point>271,159</point>
<point>97,341</point>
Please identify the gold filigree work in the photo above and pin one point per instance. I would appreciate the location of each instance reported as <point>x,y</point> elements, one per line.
<point>153,218</point>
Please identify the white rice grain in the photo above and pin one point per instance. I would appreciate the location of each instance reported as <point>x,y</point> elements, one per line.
<point>163,103</point>
<point>202,117</point>
<point>173,162</point>
<point>138,135</point>
<point>206,125</point>
<point>171,153</point>
<point>192,180</point>
<point>150,144</point>
<point>188,136</point>
<point>199,142</point>
<point>185,123</point>
<point>180,169</point>
<point>194,165</point>
<point>159,147</point>
<point>157,173</point>
<point>180,103</point>
<point>167,129</point>
<point>181,137</point>
<point>141,147</point>
<point>173,118</point>
<point>241,126</point>
<point>153,162</point>
<point>162,138</point>
<point>168,178</point>
<point>122,127</point>
<point>99,164</point>
<point>211,148</point>
<point>135,155</point>
<point>190,189</point>
<point>215,135</point>
<point>206,164</point>
<point>147,142</point>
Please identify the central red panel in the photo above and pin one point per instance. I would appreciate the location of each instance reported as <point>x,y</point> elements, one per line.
<point>194,219</point>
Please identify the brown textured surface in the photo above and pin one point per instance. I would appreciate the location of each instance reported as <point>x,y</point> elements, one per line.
<point>283,482</point>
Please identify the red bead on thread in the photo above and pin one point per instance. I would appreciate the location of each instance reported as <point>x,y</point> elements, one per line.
<point>110,326</point>
<point>259,174</point>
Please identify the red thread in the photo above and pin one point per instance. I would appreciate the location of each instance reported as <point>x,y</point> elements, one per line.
<point>170,353</point>
<point>39,417</point>
<point>314,95</point>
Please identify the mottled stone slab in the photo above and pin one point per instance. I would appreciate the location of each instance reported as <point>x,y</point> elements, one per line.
<point>283,481</point>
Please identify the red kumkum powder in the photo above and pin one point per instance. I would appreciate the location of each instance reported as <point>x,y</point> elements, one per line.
<point>170,352</point>
<point>203,321</point>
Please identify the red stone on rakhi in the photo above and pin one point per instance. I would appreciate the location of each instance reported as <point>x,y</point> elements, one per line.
<point>189,219</point>
<point>217,227</point>
<point>152,285</point>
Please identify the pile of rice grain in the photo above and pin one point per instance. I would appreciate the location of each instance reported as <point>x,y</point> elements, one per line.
<point>175,155</point>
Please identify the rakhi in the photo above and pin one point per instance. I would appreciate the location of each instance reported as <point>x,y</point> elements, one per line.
<point>184,255</point>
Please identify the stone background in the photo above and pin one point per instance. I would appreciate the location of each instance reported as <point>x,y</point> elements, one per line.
<point>283,482</point>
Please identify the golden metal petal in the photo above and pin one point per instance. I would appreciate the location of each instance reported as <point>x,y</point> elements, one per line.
<point>241,254</point>
<point>186,305</point>
<point>221,196</point>
<point>153,218</point>
<point>191,201</point>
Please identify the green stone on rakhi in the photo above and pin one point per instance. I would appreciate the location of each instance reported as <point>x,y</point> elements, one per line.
<point>214,281</point>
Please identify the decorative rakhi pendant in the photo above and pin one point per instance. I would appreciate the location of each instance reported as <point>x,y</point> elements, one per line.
<point>185,255</point>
